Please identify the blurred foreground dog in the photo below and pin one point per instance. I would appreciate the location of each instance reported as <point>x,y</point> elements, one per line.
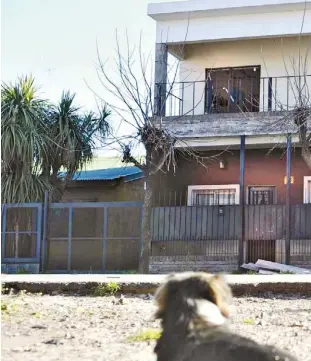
<point>194,310</point>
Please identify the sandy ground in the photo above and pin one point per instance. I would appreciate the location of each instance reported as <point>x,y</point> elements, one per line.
<point>70,328</point>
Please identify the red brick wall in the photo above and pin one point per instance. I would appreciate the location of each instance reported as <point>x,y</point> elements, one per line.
<point>261,168</point>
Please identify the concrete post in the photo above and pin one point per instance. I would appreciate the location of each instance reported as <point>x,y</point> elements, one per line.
<point>243,245</point>
<point>160,79</point>
<point>288,190</point>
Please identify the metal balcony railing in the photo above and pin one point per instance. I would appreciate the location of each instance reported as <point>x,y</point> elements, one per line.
<point>265,94</point>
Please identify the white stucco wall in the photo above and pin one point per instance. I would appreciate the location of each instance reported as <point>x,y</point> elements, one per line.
<point>271,54</point>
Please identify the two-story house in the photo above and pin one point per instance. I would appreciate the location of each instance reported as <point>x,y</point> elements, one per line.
<point>242,68</point>
<point>239,67</point>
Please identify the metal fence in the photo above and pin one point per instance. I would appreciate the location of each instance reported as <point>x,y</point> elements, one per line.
<point>93,237</point>
<point>106,237</point>
<point>239,94</point>
<point>72,237</point>
<point>214,233</point>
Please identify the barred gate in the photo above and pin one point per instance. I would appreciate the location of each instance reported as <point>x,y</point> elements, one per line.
<point>95,237</point>
<point>21,226</point>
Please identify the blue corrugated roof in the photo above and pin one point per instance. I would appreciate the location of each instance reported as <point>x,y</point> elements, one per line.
<point>128,173</point>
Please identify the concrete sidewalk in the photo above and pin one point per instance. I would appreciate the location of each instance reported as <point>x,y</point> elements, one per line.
<point>84,283</point>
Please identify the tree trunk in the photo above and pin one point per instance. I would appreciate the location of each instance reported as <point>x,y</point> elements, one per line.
<point>145,251</point>
<point>306,155</point>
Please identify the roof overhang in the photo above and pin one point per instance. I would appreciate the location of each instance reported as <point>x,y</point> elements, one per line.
<point>202,8</point>
<point>198,21</point>
<point>233,142</point>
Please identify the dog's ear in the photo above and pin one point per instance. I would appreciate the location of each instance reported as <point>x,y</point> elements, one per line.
<point>220,293</point>
<point>160,296</point>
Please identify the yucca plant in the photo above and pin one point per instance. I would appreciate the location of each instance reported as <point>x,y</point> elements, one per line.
<point>40,140</point>
<point>24,135</point>
<point>73,135</point>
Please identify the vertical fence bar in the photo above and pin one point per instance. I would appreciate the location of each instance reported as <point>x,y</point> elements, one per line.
<point>180,209</point>
<point>3,230</point>
<point>252,96</point>
<point>169,217</point>
<point>229,97</point>
<point>269,94</point>
<point>209,96</point>
<point>182,98</point>
<point>69,239</point>
<point>44,231</point>
<point>140,236</point>
<point>263,94</point>
<point>39,234</point>
<point>287,91</point>
<point>288,186</point>
<point>105,231</point>
<point>242,199</point>
<point>193,98</point>
<point>276,91</point>
<point>240,94</point>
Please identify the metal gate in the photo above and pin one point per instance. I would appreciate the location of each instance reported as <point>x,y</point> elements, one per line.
<point>21,226</point>
<point>94,237</point>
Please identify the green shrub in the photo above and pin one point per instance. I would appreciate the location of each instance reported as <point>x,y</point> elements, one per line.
<point>106,289</point>
<point>147,335</point>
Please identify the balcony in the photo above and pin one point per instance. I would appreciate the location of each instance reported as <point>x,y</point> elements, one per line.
<point>227,91</point>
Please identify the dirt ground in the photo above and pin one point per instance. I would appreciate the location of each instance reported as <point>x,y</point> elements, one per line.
<point>70,328</point>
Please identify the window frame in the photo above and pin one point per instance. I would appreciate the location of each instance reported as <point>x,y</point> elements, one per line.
<point>192,188</point>
<point>275,194</point>
<point>306,195</point>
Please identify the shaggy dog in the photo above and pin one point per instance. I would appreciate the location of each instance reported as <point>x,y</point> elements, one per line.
<point>194,310</point>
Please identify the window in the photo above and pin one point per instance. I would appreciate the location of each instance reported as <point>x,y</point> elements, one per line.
<point>261,195</point>
<point>307,189</point>
<point>209,195</point>
<point>231,90</point>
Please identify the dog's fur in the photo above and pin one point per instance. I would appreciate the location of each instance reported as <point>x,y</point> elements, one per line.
<point>194,312</point>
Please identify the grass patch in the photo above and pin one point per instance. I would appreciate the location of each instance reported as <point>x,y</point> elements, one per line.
<point>22,271</point>
<point>4,289</point>
<point>248,321</point>
<point>8,308</point>
<point>147,335</point>
<point>106,289</point>
<point>131,272</point>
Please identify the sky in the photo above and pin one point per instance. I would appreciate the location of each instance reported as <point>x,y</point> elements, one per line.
<point>55,41</point>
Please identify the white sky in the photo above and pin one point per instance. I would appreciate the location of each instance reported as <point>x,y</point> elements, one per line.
<point>55,40</point>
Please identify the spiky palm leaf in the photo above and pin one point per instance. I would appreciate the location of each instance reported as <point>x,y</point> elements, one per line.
<point>23,135</point>
<point>73,135</point>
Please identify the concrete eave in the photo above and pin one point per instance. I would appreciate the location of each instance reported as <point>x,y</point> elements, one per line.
<point>221,130</point>
<point>202,8</point>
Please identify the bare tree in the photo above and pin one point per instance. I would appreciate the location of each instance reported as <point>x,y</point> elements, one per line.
<point>299,114</point>
<point>140,103</point>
